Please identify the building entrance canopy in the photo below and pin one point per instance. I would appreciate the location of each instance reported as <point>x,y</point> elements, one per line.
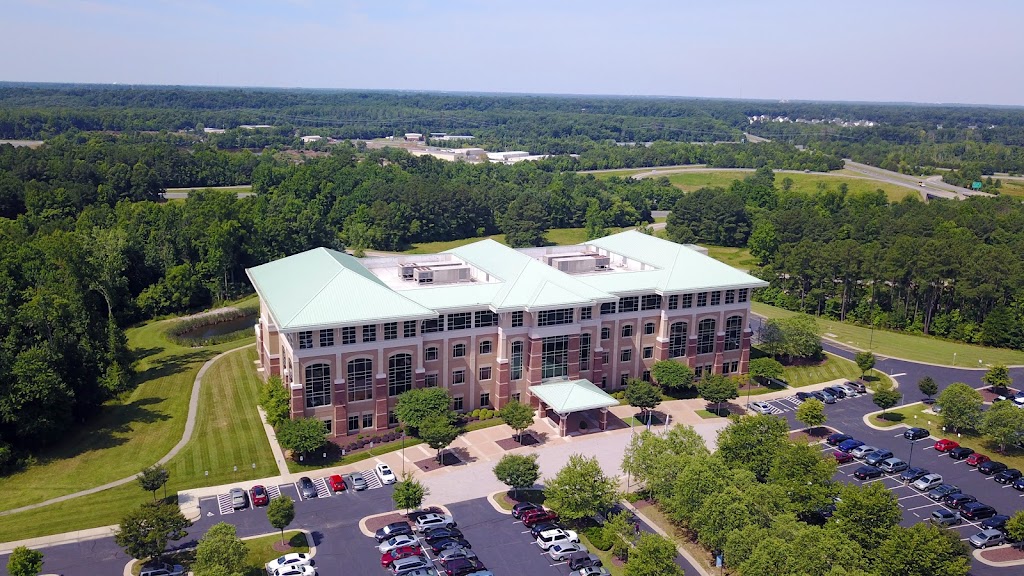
<point>566,396</point>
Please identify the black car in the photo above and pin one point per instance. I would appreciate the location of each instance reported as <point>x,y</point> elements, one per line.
<point>522,508</point>
<point>865,472</point>
<point>306,487</point>
<point>960,453</point>
<point>393,529</point>
<point>580,560</point>
<point>943,490</point>
<point>915,433</point>
<point>991,467</point>
<point>1007,476</point>
<point>977,511</point>
<point>1018,484</point>
<point>837,439</point>
<point>997,522</point>
<point>801,396</point>
<point>543,527</point>
<point>440,533</point>
<point>837,392</point>
<point>911,474</point>
<point>958,500</point>
<point>462,566</point>
<point>447,543</point>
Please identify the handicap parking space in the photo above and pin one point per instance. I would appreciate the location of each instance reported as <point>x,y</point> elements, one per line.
<point>273,492</point>
<point>372,481</point>
<point>322,490</point>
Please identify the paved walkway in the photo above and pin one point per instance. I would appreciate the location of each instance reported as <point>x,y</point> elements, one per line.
<point>186,436</point>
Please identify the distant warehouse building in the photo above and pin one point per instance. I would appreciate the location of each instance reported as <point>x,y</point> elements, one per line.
<point>556,327</point>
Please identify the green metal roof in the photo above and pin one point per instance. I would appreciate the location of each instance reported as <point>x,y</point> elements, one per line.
<point>572,396</point>
<point>323,287</point>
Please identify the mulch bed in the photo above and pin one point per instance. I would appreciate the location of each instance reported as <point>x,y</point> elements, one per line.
<point>512,444</point>
<point>989,395</point>
<point>1007,554</point>
<point>381,521</point>
<point>816,434</point>
<point>448,459</point>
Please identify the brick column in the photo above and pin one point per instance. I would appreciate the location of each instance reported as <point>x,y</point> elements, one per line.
<point>598,367</point>
<point>420,378</point>
<point>745,351</point>
<point>380,402</point>
<point>691,352</point>
<point>574,357</point>
<point>661,349</point>
<point>340,427</point>
<point>533,368</point>
<point>603,421</point>
<point>561,424</point>
<point>298,402</point>
<point>503,389</point>
<point>719,352</point>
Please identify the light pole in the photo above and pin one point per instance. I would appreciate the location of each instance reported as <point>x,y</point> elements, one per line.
<point>910,460</point>
<point>403,452</point>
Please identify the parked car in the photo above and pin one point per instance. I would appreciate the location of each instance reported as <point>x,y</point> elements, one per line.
<point>307,488</point>
<point>544,527</point>
<point>837,438</point>
<point>296,571</point>
<point>991,467</point>
<point>522,508</point>
<point>802,396</point>
<point>836,391</point>
<point>385,474</point>
<point>927,482</point>
<point>259,496</point>
<point>824,397</point>
<point>538,516</point>
<point>446,556</point>
<point>943,490</point>
<point>912,474</point>
<point>337,483</point>
<point>592,571</point>
<point>850,391</point>
<point>977,511</point>
<point>417,514</point>
<point>761,407</point>
<point>409,563</point>
<point>915,433</point>
<point>239,498</point>
<point>997,522</point>
<point>428,572</point>
<point>162,569</point>
<point>434,521</point>
<point>560,552</point>
<point>958,500</point>
<point>388,558</point>
<point>440,533</point>
<point>582,560</point>
<point>1018,484</point>
<point>987,538</point>
<point>288,561</point>
<point>842,457</point>
<point>849,446</point>
<point>557,536</point>
<point>358,482</point>
<point>865,472</point>
<point>977,459</point>
<point>877,457</point>
<point>892,465</point>
<point>1007,476</point>
<point>944,517</point>
<point>463,566</point>
<point>397,542</point>
<point>945,445</point>
<point>437,546</point>
<point>858,386</point>
<point>392,530</point>
<point>862,451</point>
<point>960,453</point>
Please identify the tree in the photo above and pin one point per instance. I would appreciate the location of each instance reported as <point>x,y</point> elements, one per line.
<point>805,475</point>
<point>998,377</point>
<point>620,532</point>
<point>800,336</point>
<point>761,369</point>
<point>811,413</point>
<point>928,387</point>
<point>525,221</point>
<point>672,375</point>
<point>25,562</point>
<point>716,388</point>
<point>656,460</point>
<point>220,551</point>
<point>517,416</point>
<point>409,493</point>
<point>772,339</point>
<point>145,531</point>
<point>302,435</point>
<point>867,513</point>
<point>653,555</point>
<point>281,513</point>
<point>753,443</point>
<point>923,549</point>
<point>580,489</point>
<point>865,361</point>
<point>275,400</point>
<point>885,397</point>
<point>961,406</point>
<point>643,395</point>
<point>517,471</point>
<point>438,432</point>
<point>413,406</point>
<point>1015,526</point>
<point>1004,423</point>
<point>152,478</point>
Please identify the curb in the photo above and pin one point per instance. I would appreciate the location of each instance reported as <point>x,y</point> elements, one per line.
<point>58,539</point>
<point>494,504</point>
<point>366,531</point>
<point>977,556</point>
<point>309,540</point>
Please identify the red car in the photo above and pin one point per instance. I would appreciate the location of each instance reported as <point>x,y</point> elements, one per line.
<point>336,482</point>
<point>537,516</point>
<point>397,554</point>
<point>842,457</point>
<point>976,458</point>
<point>259,496</point>
<point>945,445</point>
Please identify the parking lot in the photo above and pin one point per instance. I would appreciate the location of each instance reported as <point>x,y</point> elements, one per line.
<point>224,506</point>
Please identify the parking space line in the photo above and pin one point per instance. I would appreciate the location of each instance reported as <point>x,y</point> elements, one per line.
<point>925,506</point>
<point>299,492</point>
<point>273,492</point>
<point>224,504</point>
<point>322,491</point>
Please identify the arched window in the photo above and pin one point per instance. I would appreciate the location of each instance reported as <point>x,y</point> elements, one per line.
<point>359,375</point>
<point>399,374</point>
<point>485,346</point>
<point>677,335</point>
<point>733,332</point>
<point>318,385</point>
<point>706,336</point>
<point>516,361</point>
<point>458,350</point>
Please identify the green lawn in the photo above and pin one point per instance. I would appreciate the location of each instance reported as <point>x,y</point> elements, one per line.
<point>261,550</point>
<point>833,368</point>
<point>911,347</point>
<point>735,257</point>
<point>807,183</point>
<point>1011,188</point>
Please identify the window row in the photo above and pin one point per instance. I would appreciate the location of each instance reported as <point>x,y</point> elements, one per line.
<point>431,353</point>
<point>349,336</point>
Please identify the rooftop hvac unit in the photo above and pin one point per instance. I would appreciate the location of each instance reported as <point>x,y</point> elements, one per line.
<point>441,274</point>
<point>407,270</point>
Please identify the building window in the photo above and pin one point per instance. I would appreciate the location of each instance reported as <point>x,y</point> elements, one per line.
<point>458,351</point>
<point>460,321</point>
<point>348,335</point>
<point>585,351</point>
<point>730,296</point>
<point>607,308</point>
<point>604,358</point>
<point>485,399</point>
<point>706,336</point>
<point>370,333</point>
<point>459,377</point>
<point>649,328</point>
<point>743,294</point>
<point>554,359</point>
<point>730,367</point>
<point>627,330</point>
<point>515,397</point>
<point>368,420</point>
<point>677,340</point>
<point>650,302</point>
<point>326,338</point>
<point>687,300</point>
<point>457,403</point>
<point>698,372</point>
<point>399,374</point>
<point>586,313</point>
<point>328,424</point>
<point>305,339</point>
<point>554,317</point>
<point>733,332</point>
<point>630,304</point>
<point>517,319</point>
<point>484,373</point>
<point>430,381</point>
<point>604,381</point>
<point>702,299</point>
<point>648,352</point>
<point>318,385</point>
<point>516,361</point>
<point>432,325</point>
<point>391,330</point>
<point>360,379</point>
<point>430,354</point>
<point>646,376</point>
<point>716,298</point>
<point>392,419</point>
<point>409,329</point>
<point>606,333</point>
<point>673,302</point>
<point>484,319</point>
<point>353,422</point>
<point>626,355</point>
<point>623,379</point>
<point>485,346</point>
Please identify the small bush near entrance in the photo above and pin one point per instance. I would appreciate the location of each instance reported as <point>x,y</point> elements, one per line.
<point>598,538</point>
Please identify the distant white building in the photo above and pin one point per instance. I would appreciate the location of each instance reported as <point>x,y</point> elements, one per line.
<point>413,136</point>
<point>214,130</point>
<point>312,138</point>
<point>254,126</point>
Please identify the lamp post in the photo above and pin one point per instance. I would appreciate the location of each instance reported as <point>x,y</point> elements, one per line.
<point>403,452</point>
<point>910,460</point>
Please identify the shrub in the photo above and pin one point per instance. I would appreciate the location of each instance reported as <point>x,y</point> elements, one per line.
<point>598,538</point>
<point>275,400</point>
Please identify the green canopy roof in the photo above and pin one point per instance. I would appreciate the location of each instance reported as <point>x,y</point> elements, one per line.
<point>567,396</point>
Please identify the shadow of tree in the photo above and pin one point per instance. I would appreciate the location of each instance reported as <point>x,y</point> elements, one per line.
<point>110,429</point>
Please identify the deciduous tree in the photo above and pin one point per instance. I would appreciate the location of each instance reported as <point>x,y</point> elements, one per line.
<point>414,406</point>
<point>961,406</point>
<point>806,477</point>
<point>654,555</point>
<point>525,222</point>
<point>753,443</point>
<point>643,395</point>
<point>928,386</point>
<point>145,531</point>
<point>1015,526</point>
<point>865,361</point>
<point>811,413</point>
<point>409,493</point>
<point>672,375</point>
<point>281,513</point>
<point>302,435</point>
<point>998,377</point>
<point>25,562</point>
<point>922,550</point>
<point>275,401</point>
<point>1004,423</point>
<point>517,471</point>
<point>517,416</point>
<point>885,397</point>
<point>580,489</point>
<point>867,513</point>
<point>438,432</point>
<point>220,551</point>
<point>761,369</point>
<point>153,478</point>
<point>716,388</point>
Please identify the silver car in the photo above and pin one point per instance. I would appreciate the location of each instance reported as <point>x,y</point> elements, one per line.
<point>927,482</point>
<point>944,517</point>
<point>239,498</point>
<point>986,538</point>
<point>444,556</point>
<point>761,407</point>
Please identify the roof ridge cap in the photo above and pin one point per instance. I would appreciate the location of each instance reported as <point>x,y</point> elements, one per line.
<point>318,292</point>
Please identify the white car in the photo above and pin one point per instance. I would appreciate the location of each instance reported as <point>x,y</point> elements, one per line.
<point>433,521</point>
<point>560,552</point>
<point>295,559</point>
<point>406,565</point>
<point>761,407</point>
<point>397,542</point>
<point>296,571</point>
<point>549,538</point>
<point>385,474</point>
<point>861,452</point>
<point>927,482</point>
<point>163,570</point>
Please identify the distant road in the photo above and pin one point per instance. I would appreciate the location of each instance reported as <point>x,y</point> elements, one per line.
<point>244,190</point>
<point>933,185</point>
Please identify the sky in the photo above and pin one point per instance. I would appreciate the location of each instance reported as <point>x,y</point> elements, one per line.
<point>852,50</point>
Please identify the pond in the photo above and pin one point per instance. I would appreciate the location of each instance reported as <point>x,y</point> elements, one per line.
<point>220,328</point>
